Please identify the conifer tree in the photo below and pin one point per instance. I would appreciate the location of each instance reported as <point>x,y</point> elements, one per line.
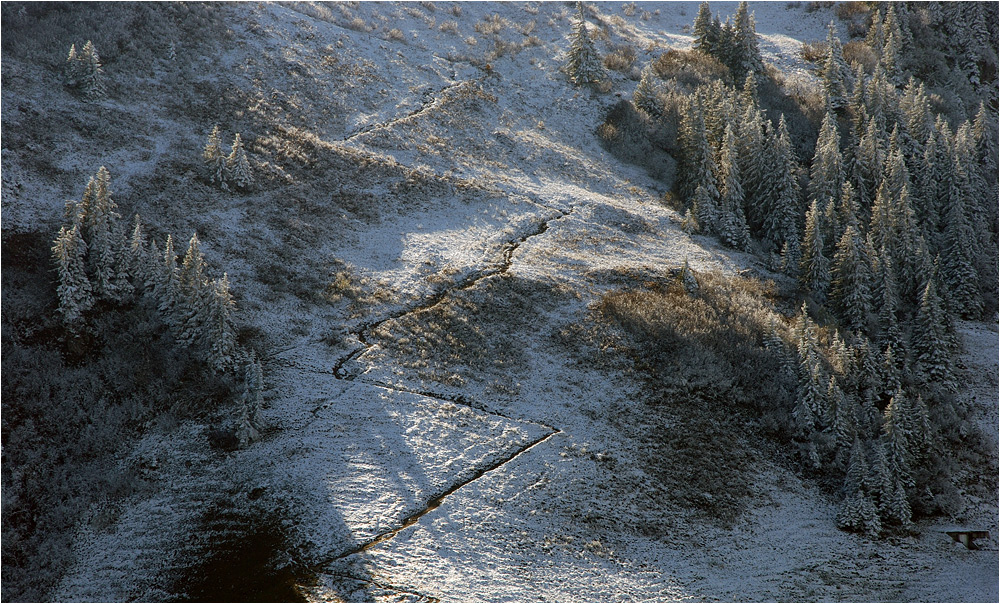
<point>897,436</point>
<point>73,69</point>
<point>220,332</point>
<point>137,259</point>
<point>959,275</point>
<point>752,157</point>
<point>190,315</point>
<point>252,399</point>
<point>699,167</point>
<point>705,208</point>
<point>167,290</point>
<point>584,64</point>
<point>826,176</point>
<point>930,339</point>
<point>782,205</point>
<point>74,289</point>
<point>732,226</point>
<point>745,53</point>
<point>238,169</point>
<point>646,95</point>
<point>850,287</point>
<point>91,80</point>
<point>814,272</point>
<point>706,34</point>
<point>215,159</point>
<point>869,159</point>
<point>834,71</point>
<point>858,513</point>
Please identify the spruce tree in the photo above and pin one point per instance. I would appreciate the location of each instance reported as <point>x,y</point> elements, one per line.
<point>74,289</point>
<point>930,339</point>
<point>646,95</point>
<point>814,272</point>
<point>251,401</point>
<point>745,53</point>
<point>91,80</point>
<point>752,157</point>
<point>959,273</point>
<point>705,208</point>
<point>167,292</point>
<point>238,169</point>
<point>732,227</point>
<point>220,332</point>
<point>782,205</point>
<point>215,159</point>
<point>850,290</point>
<point>826,176</point>
<point>705,33</point>
<point>584,64</point>
<point>834,72</point>
<point>897,436</point>
<point>858,513</point>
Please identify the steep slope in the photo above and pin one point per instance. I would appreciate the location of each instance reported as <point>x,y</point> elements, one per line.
<point>432,223</point>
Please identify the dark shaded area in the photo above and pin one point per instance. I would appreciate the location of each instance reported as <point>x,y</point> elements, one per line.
<point>243,555</point>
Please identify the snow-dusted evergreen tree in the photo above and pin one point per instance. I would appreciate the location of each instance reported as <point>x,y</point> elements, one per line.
<point>138,263</point>
<point>753,158</point>
<point>896,438</point>
<point>646,95</point>
<point>105,240</point>
<point>706,32</point>
<point>705,208</point>
<point>814,268</point>
<point>73,70</point>
<point>834,72</point>
<point>782,205</point>
<point>732,225</point>
<point>826,176</point>
<point>930,339</point>
<point>247,430</point>
<point>844,418</point>
<point>191,314</point>
<point>238,171</point>
<point>745,52</point>
<point>869,157</point>
<point>811,411</point>
<point>584,64</point>
<point>959,273</point>
<point>698,169</point>
<point>74,289</point>
<point>220,333</point>
<point>91,79</point>
<point>858,513</point>
<point>850,292</point>
<point>215,159</point>
<point>167,291</point>
<point>887,297</point>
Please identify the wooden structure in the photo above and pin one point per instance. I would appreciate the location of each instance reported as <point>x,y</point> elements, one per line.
<point>967,538</point>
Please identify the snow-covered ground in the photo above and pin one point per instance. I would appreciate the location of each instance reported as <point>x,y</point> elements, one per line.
<point>468,408</point>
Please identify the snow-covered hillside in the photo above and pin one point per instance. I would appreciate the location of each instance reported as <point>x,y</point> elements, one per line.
<point>433,223</point>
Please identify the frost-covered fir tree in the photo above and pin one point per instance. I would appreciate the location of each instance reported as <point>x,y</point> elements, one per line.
<point>858,513</point>
<point>646,95</point>
<point>959,273</point>
<point>706,32</point>
<point>814,268</point>
<point>247,430</point>
<point>754,159</point>
<point>220,333</point>
<point>698,163</point>
<point>238,170</point>
<point>834,72</point>
<point>74,289</point>
<point>73,70</point>
<point>166,291</point>
<point>745,52</point>
<point>732,225</point>
<point>91,79</point>
<point>138,257</point>
<point>826,176</point>
<point>782,205</point>
<point>105,240</point>
<point>584,64</point>
<point>215,159</point>
<point>195,297</point>
<point>850,291</point>
<point>705,208</point>
<point>930,339</point>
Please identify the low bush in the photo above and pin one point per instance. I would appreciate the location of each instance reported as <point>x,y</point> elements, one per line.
<point>690,68</point>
